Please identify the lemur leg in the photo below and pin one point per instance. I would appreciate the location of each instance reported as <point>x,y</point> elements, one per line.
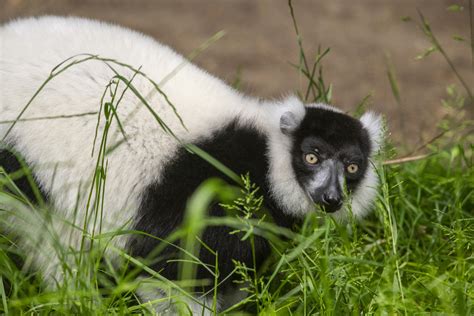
<point>173,303</point>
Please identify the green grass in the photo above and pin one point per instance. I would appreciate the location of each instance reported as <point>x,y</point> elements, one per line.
<point>412,255</point>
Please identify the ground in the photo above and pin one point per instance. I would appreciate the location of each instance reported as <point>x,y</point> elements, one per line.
<point>260,43</point>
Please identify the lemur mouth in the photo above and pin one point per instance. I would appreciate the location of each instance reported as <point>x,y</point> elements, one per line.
<point>327,208</point>
<point>330,208</point>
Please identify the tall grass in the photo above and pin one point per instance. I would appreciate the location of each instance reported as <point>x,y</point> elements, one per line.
<point>413,255</point>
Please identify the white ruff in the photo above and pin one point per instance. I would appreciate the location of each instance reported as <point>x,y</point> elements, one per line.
<point>365,194</point>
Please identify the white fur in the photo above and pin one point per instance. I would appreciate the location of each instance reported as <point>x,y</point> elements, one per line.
<point>60,150</point>
<point>374,125</point>
<point>324,106</point>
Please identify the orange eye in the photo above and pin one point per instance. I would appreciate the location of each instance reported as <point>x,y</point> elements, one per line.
<point>312,159</point>
<point>352,168</point>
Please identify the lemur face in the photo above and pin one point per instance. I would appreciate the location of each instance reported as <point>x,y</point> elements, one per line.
<point>329,156</point>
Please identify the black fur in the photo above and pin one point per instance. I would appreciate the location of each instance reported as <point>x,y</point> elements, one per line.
<point>11,163</point>
<point>242,150</point>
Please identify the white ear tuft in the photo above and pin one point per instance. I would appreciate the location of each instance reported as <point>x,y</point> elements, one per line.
<point>288,122</point>
<point>374,125</point>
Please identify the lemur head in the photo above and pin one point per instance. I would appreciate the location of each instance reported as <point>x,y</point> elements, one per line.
<point>330,156</point>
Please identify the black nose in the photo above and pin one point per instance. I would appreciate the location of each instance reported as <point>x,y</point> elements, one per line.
<point>331,202</point>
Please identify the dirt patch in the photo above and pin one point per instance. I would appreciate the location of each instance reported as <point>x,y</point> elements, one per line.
<point>260,44</point>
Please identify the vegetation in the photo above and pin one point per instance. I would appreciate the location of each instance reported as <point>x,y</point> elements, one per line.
<point>413,255</point>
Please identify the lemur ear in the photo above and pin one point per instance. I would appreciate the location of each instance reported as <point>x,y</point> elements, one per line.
<point>373,123</point>
<point>288,123</point>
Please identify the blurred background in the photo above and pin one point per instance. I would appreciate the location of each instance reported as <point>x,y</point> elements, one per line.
<point>366,38</point>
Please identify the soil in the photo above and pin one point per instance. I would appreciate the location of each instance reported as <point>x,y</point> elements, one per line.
<point>260,44</point>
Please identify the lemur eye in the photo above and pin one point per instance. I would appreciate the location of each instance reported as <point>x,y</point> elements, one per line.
<point>352,168</point>
<point>312,159</point>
